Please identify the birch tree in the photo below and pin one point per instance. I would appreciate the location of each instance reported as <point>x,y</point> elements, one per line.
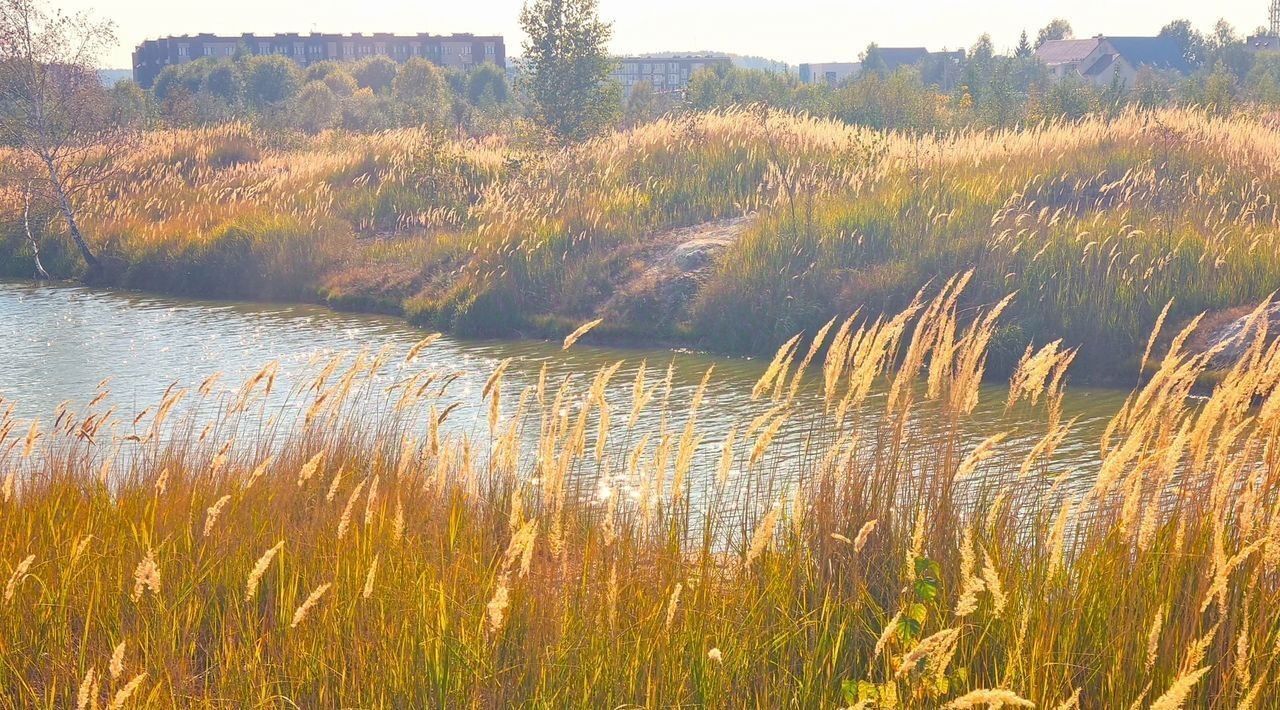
<point>54,110</point>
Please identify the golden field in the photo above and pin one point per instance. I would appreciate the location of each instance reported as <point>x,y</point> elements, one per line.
<point>563,558</point>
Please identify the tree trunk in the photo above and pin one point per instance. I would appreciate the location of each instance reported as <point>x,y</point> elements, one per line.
<point>41,274</point>
<point>69,213</point>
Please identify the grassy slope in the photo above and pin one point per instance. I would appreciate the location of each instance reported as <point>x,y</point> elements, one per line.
<point>1096,225</point>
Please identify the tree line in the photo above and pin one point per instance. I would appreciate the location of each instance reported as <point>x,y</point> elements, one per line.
<point>65,125</point>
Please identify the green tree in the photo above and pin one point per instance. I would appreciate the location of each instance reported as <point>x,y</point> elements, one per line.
<point>567,67</point>
<point>486,86</point>
<point>871,59</point>
<point>421,93</point>
<point>375,74</point>
<point>1190,42</point>
<point>1219,90</point>
<point>1056,29</point>
<point>316,108</point>
<point>226,82</point>
<point>1023,50</point>
<point>642,105</point>
<point>129,104</point>
<point>1262,83</point>
<point>270,80</point>
<point>186,79</point>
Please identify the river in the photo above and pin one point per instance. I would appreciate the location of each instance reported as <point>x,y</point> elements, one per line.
<point>58,343</point>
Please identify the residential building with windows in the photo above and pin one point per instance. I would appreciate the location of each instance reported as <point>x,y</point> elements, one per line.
<point>1102,61</point>
<point>941,68</point>
<point>457,51</point>
<point>666,74</point>
<point>829,73</point>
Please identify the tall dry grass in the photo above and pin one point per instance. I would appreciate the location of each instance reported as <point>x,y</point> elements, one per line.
<point>1097,223</point>
<point>558,557</point>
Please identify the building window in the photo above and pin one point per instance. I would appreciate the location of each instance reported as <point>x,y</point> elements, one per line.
<point>489,49</point>
<point>182,50</point>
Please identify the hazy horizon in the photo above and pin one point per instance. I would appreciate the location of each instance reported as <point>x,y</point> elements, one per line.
<point>800,31</point>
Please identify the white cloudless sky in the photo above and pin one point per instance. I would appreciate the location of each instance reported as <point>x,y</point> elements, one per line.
<point>793,31</point>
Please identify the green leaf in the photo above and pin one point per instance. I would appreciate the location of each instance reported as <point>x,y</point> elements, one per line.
<point>928,569</point>
<point>926,590</point>
<point>850,690</point>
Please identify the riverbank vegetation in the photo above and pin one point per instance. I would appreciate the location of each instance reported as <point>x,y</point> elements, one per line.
<point>1098,223</point>
<point>553,556</point>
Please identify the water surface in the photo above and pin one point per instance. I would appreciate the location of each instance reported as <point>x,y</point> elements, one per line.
<point>58,343</point>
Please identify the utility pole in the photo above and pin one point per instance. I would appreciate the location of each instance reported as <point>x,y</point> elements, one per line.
<point>1275,18</point>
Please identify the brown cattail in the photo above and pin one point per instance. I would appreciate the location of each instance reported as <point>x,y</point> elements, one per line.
<point>864,534</point>
<point>19,573</point>
<point>259,569</point>
<point>211,515</point>
<point>333,486</point>
<point>420,346</point>
<point>117,661</point>
<point>309,468</point>
<point>87,697</point>
<point>368,580</point>
<point>497,606</point>
<point>573,337</point>
<point>123,695</point>
<point>763,536</point>
<point>673,605</point>
<point>1153,639</point>
<point>1177,693</point>
<point>301,614</point>
<point>146,577</point>
<point>992,581</point>
<point>345,521</point>
<point>990,698</point>
<point>1071,703</point>
<point>890,629</point>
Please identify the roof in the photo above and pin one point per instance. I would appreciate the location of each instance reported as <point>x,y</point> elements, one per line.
<point>1066,51</point>
<point>894,57</point>
<point>1155,52</point>
<point>1103,63</point>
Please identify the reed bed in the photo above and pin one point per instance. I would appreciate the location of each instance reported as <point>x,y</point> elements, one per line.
<point>557,558</point>
<point>1098,223</point>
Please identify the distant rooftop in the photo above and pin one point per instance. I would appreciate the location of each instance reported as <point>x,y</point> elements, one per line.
<point>1064,51</point>
<point>1155,52</point>
<point>1158,52</point>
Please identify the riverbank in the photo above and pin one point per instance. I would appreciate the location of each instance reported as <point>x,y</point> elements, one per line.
<point>1095,225</point>
<point>363,562</point>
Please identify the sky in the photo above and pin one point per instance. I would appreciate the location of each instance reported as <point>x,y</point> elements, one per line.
<point>793,31</point>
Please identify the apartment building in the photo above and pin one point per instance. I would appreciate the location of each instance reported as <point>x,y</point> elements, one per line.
<point>666,74</point>
<point>456,51</point>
